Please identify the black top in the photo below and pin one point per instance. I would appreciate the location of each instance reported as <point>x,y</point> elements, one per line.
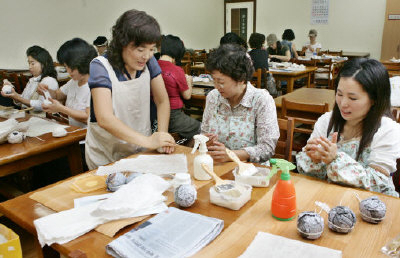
<point>260,58</point>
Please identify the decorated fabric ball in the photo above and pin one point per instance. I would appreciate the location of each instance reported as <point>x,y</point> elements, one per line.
<point>16,137</point>
<point>185,195</point>
<point>341,219</point>
<point>310,225</point>
<point>115,181</point>
<point>372,209</point>
<point>7,89</point>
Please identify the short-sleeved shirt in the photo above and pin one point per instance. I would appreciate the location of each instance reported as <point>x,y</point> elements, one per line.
<point>313,47</point>
<point>289,44</point>
<point>175,82</point>
<point>279,52</point>
<point>31,87</point>
<point>259,58</point>
<point>99,77</point>
<point>78,98</point>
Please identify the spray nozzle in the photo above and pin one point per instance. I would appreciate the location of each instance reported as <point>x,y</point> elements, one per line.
<point>283,165</point>
<point>200,140</point>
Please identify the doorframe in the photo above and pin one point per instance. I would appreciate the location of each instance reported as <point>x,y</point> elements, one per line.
<point>241,1</point>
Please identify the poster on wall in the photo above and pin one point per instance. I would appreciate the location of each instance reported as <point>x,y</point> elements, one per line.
<point>319,12</point>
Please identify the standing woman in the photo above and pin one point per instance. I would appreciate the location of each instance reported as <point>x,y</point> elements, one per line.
<point>42,69</point>
<point>356,144</point>
<point>238,116</point>
<point>120,86</point>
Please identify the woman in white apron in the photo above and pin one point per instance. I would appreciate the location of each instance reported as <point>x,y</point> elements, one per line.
<point>120,83</point>
<point>237,115</point>
<point>41,67</point>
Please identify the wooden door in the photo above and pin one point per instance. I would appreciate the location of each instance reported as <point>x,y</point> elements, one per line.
<point>391,31</point>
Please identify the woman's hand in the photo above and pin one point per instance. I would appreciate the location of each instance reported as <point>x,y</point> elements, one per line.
<point>211,139</point>
<point>12,95</point>
<point>54,107</point>
<point>312,150</point>
<point>328,149</point>
<point>42,88</point>
<point>161,139</point>
<point>217,151</point>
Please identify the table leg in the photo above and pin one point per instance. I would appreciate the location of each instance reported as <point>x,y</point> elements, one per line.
<point>75,159</point>
<point>290,85</point>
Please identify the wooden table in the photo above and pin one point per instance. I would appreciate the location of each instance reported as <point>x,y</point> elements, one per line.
<point>291,76</point>
<point>241,226</point>
<point>32,152</point>
<point>308,96</point>
<point>351,54</point>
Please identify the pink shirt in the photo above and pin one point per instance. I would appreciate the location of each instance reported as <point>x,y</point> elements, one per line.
<point>175,82</point>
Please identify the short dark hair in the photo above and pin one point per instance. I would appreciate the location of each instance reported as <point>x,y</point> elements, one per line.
<point>76,54</point>
<point>374,79</point>
<point>100,41</point>
<point>172,46</point>
<point>132,26</point>
<point>256,40</point>
<point>44,58</point>
<point>232,38</point>
<point>288,34</point>
<point>231,60</point>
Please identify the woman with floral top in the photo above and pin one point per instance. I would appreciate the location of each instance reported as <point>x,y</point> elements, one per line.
<point>356,144</point>
<point>237,115</point>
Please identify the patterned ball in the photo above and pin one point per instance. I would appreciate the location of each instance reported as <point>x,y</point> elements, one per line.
<point>372,209</point>
<point>16,137</point>
<point>310,225</point>
<point>115,181</point>
<point>341,219</point>
<point>185,195</point>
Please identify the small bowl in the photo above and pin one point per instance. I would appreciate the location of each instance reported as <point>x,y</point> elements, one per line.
<point>259,179</point>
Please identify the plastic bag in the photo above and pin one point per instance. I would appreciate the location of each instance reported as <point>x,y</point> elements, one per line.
<point>392,248</point>
<point>10,247</point>
<point>271,86</point>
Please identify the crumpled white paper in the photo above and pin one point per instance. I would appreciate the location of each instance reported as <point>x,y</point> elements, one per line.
<point>129,201</point>
<point>153,164</point>
<point>38,126</point>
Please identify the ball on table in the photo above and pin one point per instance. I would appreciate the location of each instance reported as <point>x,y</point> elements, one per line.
<point>185,195</point>
<point>310,225</point>
<point>341,219</point>
<point>372,209</point>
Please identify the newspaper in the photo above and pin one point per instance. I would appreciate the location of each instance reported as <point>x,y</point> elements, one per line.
<point>173,233</point>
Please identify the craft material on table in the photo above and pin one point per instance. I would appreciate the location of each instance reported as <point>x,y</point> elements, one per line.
<point>88,183</point>
<point>11,113</point>
<point>245,169</point>
<point>38,126</point>
<point>142,196</point>
<point>169,234</point>
<point>6,127</point>
<point>185,195</point>
<point>372,209</point>
<point>269,245</point>
<point>154,164</point>
<point>341,219</point>
<point>15,137</point>
<point>310,224</point>
<point>259,179</point>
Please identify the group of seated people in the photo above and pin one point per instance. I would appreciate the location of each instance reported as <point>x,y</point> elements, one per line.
<point>356,144</point>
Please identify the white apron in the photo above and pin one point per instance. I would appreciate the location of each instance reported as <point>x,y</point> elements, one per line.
<point>131,105</point>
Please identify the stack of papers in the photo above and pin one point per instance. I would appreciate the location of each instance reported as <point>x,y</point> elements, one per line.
<point>173,233</point>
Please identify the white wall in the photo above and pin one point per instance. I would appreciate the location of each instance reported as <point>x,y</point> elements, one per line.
<point>49,23</point>
<point>354,25</point>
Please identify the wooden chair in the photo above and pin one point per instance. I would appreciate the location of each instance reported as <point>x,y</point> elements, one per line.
<point>309,63</point>
<point>257,78</point>
<point>284,145</point>
<point>304,116</point>
<point>335,53</point>
<point>392,68</point>
<point>323,74</point>
<point>396,114</point>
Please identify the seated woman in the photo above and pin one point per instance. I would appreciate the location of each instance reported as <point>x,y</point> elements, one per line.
<point>258,54</point>
<point>287,39</point>
<point>276,50</point>
<point>356,144</point>
<point>120,85</point>
<point>312,47</point>
<point>178,86</point>
<point>75,55</point>
<point>42,69</point>
<point>237,115</point>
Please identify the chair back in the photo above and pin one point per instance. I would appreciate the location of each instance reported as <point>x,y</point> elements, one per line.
<point>323,74</point>
<point>335,53</point>
<point>311,62</point>
<point>284,145</point>
<point>257,77</point>
<point>396,114</point>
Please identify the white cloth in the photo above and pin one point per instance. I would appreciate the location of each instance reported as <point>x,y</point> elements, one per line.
<point>127,202</point>
<point>38,126</point>
<point>154,164</point>
<point>384,146</point>
<point>395,91</point>
<point>29,92</point>
<point>131,104</point>
<point>78,98</point>
<point>269,245</point>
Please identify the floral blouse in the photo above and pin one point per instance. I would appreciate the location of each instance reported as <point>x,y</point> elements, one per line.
<point>382,152</point>
<point>251,125</point>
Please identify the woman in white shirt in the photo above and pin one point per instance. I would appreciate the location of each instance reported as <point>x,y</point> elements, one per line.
<point>42,69</point>
<point>356,144</point>
<point>75,55</point>
<point>312,46</point>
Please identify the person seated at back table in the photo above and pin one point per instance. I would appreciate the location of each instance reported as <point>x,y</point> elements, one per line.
<point>237,115</point>
<point>41,67</point>
<point>233,38</point>
<point>277,51</point>
<point>178,86</point>
<point>75,55</point>
<point>258,54</point>
<point>287,39</point>
<point>356,144</point>
<point>312,47</point>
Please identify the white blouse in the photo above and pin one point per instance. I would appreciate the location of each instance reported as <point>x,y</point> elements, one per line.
<point>30,93</point>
